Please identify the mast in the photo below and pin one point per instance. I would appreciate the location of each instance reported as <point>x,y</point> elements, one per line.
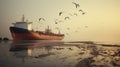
<point>23,18</point>
<point>48,30</point>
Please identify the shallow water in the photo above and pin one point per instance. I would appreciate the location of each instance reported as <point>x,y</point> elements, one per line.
<point>47,53</point>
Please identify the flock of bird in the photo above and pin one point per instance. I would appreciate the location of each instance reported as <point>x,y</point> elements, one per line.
<point>61,13</point>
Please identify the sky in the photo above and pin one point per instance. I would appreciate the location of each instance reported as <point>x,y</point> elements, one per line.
<point>100,22</point>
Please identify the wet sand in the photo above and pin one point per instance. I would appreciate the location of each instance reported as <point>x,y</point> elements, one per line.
<point>59,54</point>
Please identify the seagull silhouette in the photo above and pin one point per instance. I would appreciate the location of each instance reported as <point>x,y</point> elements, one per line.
<point>67,18</point>
<point>41,19</point>
<point>60,13</point>
<point>76,5</point>
<point>83,13</point>
<point>80,10</point>
<point>56,22</point>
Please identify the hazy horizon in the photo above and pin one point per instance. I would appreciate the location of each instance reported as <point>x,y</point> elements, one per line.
<point>100,23</point>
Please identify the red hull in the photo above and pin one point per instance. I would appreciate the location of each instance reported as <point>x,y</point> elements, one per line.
<point>22,34</point>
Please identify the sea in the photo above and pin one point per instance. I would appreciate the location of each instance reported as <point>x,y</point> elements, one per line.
<point>54,53</point>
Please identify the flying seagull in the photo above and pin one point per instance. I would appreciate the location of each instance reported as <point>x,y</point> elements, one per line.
<point>66,18</point>
<point>83,13</point>
<point>80,10</point>
<point>56,22</point>
<point>41,19</point>
<point>60,13</point>
<point>76,5</point>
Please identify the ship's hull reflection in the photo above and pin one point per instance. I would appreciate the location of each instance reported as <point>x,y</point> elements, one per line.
<point>22,49</point>
<point>66,54</point>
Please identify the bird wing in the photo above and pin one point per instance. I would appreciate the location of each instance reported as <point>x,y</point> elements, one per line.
<point>67,18</point>
<point>73,2</point>
<point>60,13</point>
<point>41,19</point>
<point>81,10</point>
<point>76,5</point>
<point>83,13</point>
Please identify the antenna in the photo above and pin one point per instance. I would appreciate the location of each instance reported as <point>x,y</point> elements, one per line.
<point>23,18</point>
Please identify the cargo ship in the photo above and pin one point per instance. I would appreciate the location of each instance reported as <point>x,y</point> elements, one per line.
<point>23,31</point>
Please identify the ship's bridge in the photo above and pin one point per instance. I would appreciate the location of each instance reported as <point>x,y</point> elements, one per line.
<point>24,24</point>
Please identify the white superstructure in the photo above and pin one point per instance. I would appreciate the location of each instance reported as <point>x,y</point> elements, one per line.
<point>23,24</point>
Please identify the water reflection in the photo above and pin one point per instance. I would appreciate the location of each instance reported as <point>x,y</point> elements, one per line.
<point>61,54</point>
<point>24,49</point>
<point>21,51</point>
